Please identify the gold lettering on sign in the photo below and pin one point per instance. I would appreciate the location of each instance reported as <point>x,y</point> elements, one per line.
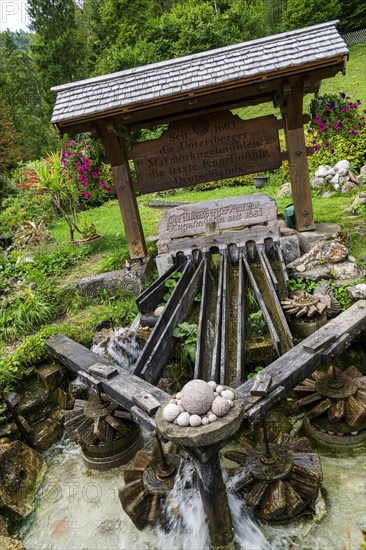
<point>209,148</point>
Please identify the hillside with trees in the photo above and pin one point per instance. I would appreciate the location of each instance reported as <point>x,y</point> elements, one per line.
<point>71,40</point>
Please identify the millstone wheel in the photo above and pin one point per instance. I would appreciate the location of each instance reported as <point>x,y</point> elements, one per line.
<point>107,434</point>
<point>280,484</point>
<point>148,480</point>
<point>335,402</point>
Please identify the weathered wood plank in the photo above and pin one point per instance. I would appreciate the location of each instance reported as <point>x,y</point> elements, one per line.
<point>164,319</point>
<point>115,150</point>
<point>102,371</point>
<point>212,147</point>
<point>121,388</point>
<point>261,384</point>
<point>292,112</point>
<point>155,363</point>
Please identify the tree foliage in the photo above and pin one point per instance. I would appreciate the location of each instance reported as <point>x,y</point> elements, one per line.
<point>298,13</point>
<point>59,46</point>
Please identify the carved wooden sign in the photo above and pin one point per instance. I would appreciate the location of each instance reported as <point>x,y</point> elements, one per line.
<point>193,219</point>
<point>206,148</point>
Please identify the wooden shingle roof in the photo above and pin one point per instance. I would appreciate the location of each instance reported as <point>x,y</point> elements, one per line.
<point>209,70</point>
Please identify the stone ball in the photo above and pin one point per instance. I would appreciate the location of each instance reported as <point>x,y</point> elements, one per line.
<point>212,417</point>
<point>183,419</point>
<point>178,396</point>
<point>219,389</point>
<point>227,394</point>
<point>220,406</point>
<point>170,412</point>
<point>159,311</point>
<point>197,397</point>
<point>195,420</point>
<point>212,384</point>
<point>205,421</point>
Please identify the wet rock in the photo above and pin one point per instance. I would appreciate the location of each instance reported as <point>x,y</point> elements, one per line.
<point>77,390</point>
<point>13,398</point>
<point>6,543</point>
<point>3,527</point>
<point>33,404</point>
<point>50,376</point>
<point>47,432</point>
<point>19,466</point>
<point>62,399</point>
<point>197,397</point>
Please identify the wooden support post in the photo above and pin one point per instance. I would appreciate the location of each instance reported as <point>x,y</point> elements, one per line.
<point>214,499</point>
<point>115,150</point>
<point>291,108</point>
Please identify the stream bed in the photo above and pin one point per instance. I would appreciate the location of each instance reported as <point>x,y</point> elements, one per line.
<point>79,509</point>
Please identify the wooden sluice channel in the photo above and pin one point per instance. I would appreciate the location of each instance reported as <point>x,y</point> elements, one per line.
<point>219,269</point>
<point>143,398</point>
<point>263,392</point>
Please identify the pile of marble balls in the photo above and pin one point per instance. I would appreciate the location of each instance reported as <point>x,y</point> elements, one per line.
<point>199,403</point>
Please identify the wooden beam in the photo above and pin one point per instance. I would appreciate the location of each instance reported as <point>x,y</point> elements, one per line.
<point>292,108</point>
<point>116,152</point>
<point>124,388</point>
<point>293,367</point>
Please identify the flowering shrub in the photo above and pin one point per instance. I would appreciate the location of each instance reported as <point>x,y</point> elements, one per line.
<point>335,116</point>
<point>82,170</point>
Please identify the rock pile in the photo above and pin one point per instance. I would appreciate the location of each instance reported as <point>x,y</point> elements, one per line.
<point>199,403</point>
<point>339,176</point>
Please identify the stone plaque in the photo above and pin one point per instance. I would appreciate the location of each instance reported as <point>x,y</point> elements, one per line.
<point>207,148</point>
<point>196,218</point>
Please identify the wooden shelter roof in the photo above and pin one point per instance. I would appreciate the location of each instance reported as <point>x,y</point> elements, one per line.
<point>148,88</point>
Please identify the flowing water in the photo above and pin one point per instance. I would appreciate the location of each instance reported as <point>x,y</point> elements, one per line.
<point>79,509</point>
<point>122,346</point>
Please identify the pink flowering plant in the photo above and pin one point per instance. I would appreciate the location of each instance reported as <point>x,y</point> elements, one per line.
<point>73,180</point>
<point>335,116</point>
<point>81,168</point>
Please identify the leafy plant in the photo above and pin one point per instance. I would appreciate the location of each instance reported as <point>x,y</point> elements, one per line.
<point>170,284</point>
<point>302,284</point>
<point>256,321</point>
<point>188,334</point>
<point>335,115</point>
<point>254,372</point>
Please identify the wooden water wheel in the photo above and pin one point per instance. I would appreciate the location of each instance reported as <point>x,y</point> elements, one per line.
<point>107,434</point>
<point>277,480</point>
<point>335,401</point>
<point>148,480</point>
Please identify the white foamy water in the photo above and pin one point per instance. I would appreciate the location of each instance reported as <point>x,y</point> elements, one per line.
<point>122,346</point>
